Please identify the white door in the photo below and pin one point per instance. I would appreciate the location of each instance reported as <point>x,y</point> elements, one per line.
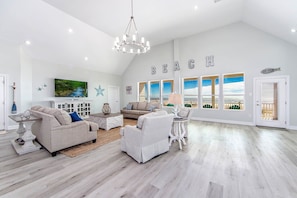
<point>2,103</point>
<point>271,101</point>
<point>114,98</point>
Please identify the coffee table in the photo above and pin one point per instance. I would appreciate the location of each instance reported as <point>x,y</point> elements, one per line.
<point>107,121</point>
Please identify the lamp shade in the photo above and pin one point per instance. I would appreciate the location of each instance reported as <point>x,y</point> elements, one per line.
<point>175,98</point>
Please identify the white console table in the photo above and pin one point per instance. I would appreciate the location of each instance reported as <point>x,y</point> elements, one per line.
<point>28,137</point>
<point>82,107</point>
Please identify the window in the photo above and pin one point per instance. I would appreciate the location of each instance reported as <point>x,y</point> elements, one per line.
<point>233,90</point>
<point>142,91</point>
<point>210,92</point>
<point>190,92</point>
<point>155,91</point>
<point>167,90</point>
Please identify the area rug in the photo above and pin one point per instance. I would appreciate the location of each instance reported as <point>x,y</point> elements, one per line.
<point>104,137</point>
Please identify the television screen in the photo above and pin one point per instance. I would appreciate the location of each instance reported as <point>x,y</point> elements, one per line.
<point>70,88</point>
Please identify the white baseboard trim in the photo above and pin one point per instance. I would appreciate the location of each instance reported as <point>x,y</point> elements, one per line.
<point>292,127</point>
<point>13,127</point>
<point>223,121</point>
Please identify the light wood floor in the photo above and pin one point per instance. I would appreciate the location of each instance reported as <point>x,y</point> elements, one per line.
<point>219,161</point>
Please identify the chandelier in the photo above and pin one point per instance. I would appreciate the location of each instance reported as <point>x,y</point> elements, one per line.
<point>131,42</point>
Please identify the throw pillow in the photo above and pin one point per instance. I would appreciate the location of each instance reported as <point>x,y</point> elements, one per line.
<point>75,117</point>
<point>151,108</point>
<point>134,105</point>
<point>129,106</point>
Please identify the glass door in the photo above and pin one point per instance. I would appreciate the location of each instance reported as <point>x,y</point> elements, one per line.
<point>271,102</point>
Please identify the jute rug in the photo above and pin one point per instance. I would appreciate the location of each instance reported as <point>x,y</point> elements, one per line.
<point>104,137</point>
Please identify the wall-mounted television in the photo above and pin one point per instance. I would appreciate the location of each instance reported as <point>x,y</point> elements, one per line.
<point>70,88</point>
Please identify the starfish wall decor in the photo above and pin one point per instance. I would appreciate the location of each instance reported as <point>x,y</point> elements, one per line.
<point>99,91</point>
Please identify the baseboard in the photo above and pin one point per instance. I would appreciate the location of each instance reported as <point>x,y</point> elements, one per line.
<point>13,127</point>
<point>223,121</point>
<point>292,127</point>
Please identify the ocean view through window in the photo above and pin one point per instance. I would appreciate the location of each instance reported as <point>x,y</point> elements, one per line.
<point>210,92</point>
<point>167,90</point>
<point>190,91</point>
<point>233,91</point>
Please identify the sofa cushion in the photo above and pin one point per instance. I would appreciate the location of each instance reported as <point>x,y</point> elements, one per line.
<point>141,119</point>
<point>63,117</point>
<point>142,105</point>
<point>134,105</point>
<point>50,111</point>
<point>75,117</point>
<point>36,107</point>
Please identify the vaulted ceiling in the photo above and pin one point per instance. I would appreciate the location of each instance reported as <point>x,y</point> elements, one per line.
<point>95,23</point>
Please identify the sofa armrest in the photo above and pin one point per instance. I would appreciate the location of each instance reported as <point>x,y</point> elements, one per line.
<point>93,126</point>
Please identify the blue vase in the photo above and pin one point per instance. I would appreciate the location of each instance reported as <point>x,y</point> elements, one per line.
<point>14,108</point>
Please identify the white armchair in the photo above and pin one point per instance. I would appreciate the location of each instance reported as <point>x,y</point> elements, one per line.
<point>148,138</point>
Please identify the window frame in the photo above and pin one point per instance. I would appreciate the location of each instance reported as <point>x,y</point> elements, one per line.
<point>198,91</point>
<point>241,105</point>
<point>214,97</point>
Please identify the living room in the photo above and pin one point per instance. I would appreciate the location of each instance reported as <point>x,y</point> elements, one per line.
<point>238,45</point>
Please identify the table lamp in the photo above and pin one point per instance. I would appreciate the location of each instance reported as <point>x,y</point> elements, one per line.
<point>175,99</point>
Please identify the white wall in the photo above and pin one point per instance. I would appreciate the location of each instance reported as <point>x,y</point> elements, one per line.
<point>29,73</point>
<point>45,73</point>
<point>10,66</point>
<point>236,48</point>
<point>140,69</point>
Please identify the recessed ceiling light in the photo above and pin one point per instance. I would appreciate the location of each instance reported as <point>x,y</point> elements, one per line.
<point>28,42</point>
<point>70,30</point>
<point>86,58</point>
<point>293,30</point>
<point>195,7</point>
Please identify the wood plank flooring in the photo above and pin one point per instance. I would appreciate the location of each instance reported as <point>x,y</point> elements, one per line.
<point>219,161</point>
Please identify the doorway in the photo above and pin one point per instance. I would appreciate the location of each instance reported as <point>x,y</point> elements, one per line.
<point>114,98</point>
<point>271,101</point>
<point>3,112</point>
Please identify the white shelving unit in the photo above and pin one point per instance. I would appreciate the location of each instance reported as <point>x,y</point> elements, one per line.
<point>82,107</point>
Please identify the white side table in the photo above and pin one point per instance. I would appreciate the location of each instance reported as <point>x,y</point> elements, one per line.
<point>28,137</point>
<point>178,132</point>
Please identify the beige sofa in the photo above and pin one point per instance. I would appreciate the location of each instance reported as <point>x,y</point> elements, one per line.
<point>56,131</point>
<point>136,109</point>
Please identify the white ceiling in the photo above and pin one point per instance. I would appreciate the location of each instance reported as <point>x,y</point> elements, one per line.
<point>96,22</point>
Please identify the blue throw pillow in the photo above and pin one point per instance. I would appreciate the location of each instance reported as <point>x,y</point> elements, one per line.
<point>75,117</point>
<point>129,106</point>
